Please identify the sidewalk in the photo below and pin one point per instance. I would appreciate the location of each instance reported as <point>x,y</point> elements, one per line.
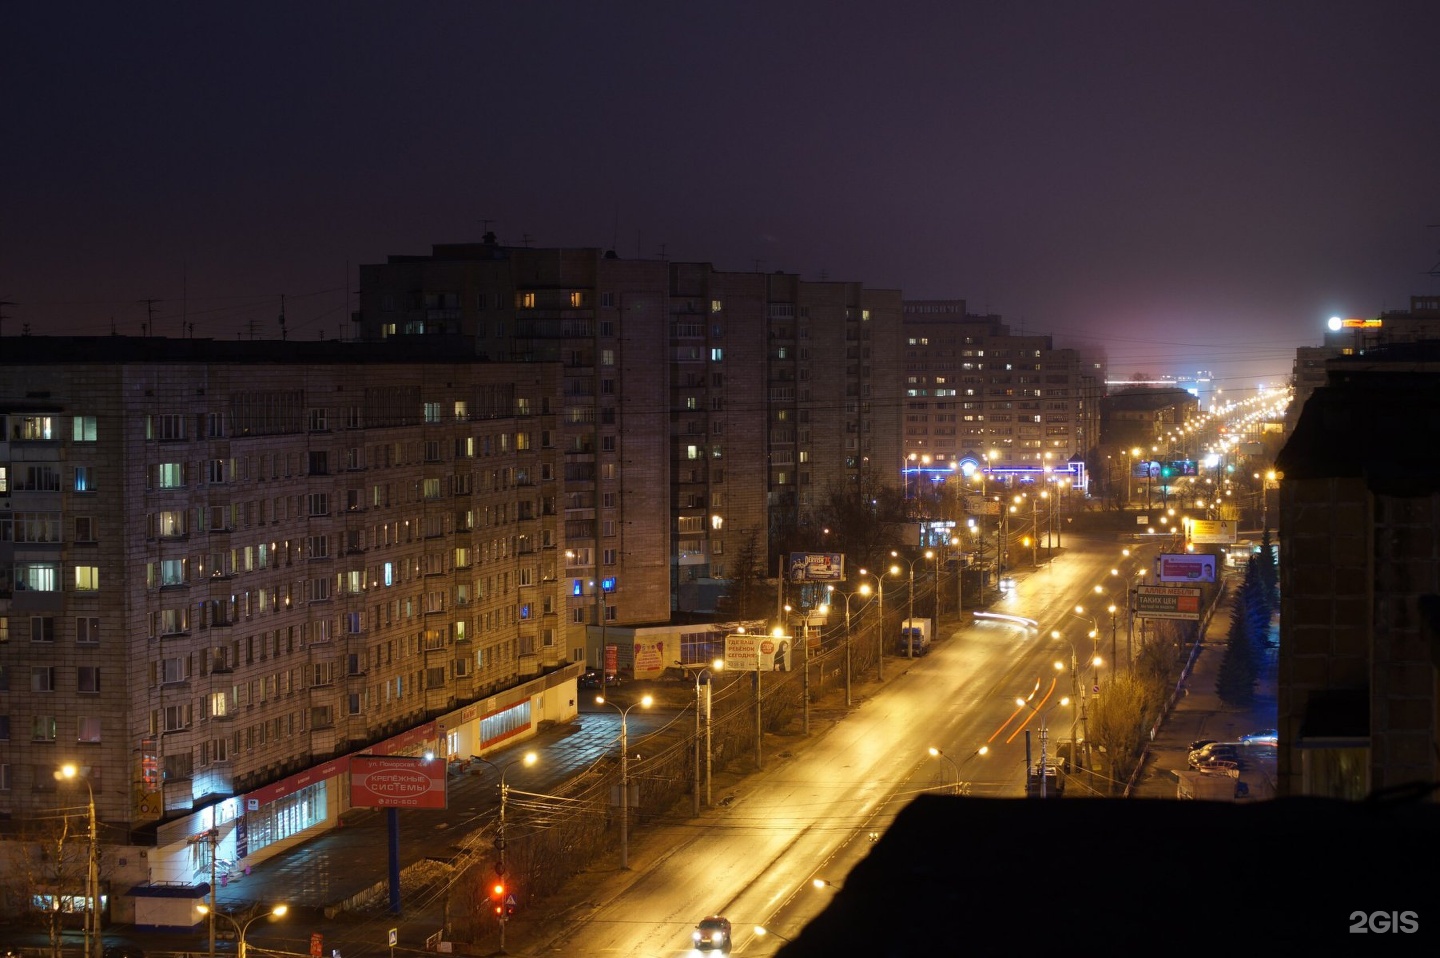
<point>1200,714</point>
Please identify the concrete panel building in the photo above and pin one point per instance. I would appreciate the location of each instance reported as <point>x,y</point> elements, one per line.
<point>225,566</point>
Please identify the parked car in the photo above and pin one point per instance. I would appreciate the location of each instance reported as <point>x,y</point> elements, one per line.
<point>713,933</point>
<point>1215,752</point>
<point>594,679</point>
<point>1200,743</point>
<point>1267,736</point>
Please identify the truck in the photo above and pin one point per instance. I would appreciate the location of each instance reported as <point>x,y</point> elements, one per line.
<point>915,635</point>
<point>1045,780</point>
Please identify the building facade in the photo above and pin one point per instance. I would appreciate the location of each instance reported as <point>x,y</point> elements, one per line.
<point>1359,535</point>
<point>224,565</point>
<point>976,393</point>
<point>700,407</point>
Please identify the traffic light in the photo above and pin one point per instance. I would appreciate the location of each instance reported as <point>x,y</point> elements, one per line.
<point>498,892</point>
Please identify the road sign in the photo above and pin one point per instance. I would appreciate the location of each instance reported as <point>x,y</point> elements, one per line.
<point>394,937</point>
<point>1167,602</point>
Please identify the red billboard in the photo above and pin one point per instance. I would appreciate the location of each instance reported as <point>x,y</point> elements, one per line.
<point>393,781</point>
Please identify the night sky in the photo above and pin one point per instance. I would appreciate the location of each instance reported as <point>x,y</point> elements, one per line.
<point>1187,185</point>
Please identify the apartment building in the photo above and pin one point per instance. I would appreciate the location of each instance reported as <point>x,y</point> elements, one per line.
<point>974,391</point>
<point>699,406</point>
<point>1359,523</point>
<point>226,565</point>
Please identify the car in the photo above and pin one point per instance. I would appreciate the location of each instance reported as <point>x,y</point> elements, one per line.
<point>1200,743</point>
<point>594,679</point>
<point>1215,752</point>
<point>712,934</point>
<point>1007,583</point>
<point>1267,736</point>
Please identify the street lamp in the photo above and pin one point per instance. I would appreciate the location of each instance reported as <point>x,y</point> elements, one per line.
<point>937,753</point>
<point>895,570</point>
<point>624,773</point>
<point>528,759</point>
<point>880,604</point>
<point>709,677</point>
<point>863,590</point>
<point>240,929</point>
<point>70,772</point>
<point>1044,764</point>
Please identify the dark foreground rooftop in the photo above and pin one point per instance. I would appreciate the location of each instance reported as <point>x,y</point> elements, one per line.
<point>1122,877</point>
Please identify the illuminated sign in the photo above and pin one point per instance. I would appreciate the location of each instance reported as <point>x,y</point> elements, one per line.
<point>1361,323</point>
<point>396,782</point>
<point>1167,602</point>
<point>817,567</point>
<point>1186,568</point>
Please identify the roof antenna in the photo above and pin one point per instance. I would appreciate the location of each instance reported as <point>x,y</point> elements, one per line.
<point>282,317</point>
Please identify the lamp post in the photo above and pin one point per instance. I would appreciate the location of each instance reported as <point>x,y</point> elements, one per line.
<point>863,590</point>
<point>895,570</point>
<point>91,917</point>
<point>937,753</point>
<point>709,676</point>
<point>761,931</point>
<point>880,604</point>
<point>528,759</point>
<point>625,773</point>
<point>242,928</point>
<point>1044,764</point>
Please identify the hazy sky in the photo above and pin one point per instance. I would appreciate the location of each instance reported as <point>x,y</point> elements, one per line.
<point>1187,185</point>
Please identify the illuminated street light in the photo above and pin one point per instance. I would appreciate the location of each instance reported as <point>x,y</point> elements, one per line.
<point>528,759</point>
<point>240,929</point>
<point>624,773</point>
<point>92,868</point>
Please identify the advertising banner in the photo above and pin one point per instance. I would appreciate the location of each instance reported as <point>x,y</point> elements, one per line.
<point>1168,602</point>
<point>758,653</point>
<point>978,506</point>
<point>1212,530</point>
<point>393,781</point>
<point>1185,568</point>
<point>817,567</point>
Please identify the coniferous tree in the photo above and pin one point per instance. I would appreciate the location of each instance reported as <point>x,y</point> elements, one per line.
<point>1235,682</point>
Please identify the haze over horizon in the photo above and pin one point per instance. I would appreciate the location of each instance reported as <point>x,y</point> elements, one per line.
<point>1187,188</point>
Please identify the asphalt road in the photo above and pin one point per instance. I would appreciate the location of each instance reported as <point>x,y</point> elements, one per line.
<point>810,813</point>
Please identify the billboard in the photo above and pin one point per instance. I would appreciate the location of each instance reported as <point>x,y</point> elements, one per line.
<point>745,652</point>
<point>979,506</point>
<point>1212,530</point>
<point>817,567</point>
<point>1168,602</point>
<point>396,781</point>
<point>1185,568</point>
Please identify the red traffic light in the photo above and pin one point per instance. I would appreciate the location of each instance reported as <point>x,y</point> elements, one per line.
<point>497,891</point>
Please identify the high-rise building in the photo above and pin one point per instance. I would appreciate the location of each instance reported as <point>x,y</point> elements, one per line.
<point>974,392</point>
<point>700,407</point>
<point>226,564</point>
